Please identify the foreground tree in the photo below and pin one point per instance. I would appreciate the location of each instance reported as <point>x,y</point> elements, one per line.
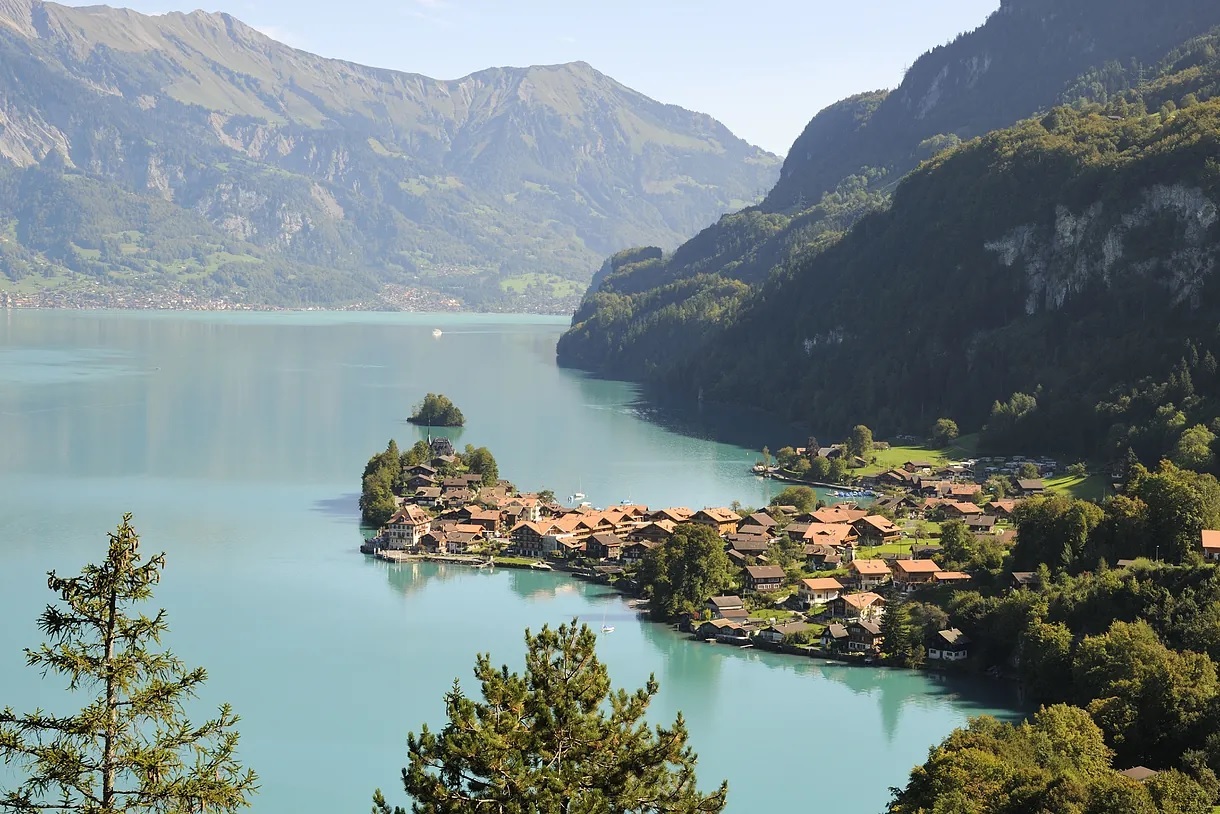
<point>131,749</point>
<point>1057,761</point>
<point>555,740</point>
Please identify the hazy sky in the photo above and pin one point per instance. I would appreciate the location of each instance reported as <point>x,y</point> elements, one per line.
<point>763,68</point>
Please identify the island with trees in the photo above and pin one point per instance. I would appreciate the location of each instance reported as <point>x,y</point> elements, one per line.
<point>436,410</point>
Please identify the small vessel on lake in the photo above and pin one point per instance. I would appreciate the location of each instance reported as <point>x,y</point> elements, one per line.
<point>436,333</point>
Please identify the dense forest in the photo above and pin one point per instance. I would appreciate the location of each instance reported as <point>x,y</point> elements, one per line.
<point>1048,281</point>
<point>1115,633</point>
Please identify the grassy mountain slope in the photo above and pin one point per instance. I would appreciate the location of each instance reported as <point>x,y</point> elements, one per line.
<point>508,180</point>
<point>1028,56</point>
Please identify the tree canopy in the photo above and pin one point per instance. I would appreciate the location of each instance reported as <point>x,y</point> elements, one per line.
<point>679,575</point>
<point>437,410</point>
<point>802,497</point>
<point>131,748</point>
<point>1056,762</point>
<point>555,739</point>
<point>944,432</point>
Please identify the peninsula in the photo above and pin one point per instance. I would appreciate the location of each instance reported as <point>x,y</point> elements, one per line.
<point>962,564</point>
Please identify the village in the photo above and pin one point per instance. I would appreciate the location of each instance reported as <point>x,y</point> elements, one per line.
<point>813,581</point>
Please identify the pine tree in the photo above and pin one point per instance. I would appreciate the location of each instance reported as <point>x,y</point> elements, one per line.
<point>898,641</point>
<point>131,749</point>
<point>555,740</point>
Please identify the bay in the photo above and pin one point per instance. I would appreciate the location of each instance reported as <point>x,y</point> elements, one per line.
<point>237,440</point>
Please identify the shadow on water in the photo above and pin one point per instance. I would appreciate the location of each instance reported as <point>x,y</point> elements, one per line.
<point>894,690</point>
<point>686,415</point>
<point>344,507</point>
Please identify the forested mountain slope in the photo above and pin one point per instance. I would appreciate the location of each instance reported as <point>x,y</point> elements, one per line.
<point>191,151</point>
<point>645,320</point>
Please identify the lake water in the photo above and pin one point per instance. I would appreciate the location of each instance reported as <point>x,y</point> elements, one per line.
<point>238,439</point>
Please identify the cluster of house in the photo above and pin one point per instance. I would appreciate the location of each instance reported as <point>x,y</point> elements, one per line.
<point>854,626</point>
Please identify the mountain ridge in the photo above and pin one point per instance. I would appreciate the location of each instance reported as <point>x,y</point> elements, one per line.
<point>766,307</point>
<point>501,187</point>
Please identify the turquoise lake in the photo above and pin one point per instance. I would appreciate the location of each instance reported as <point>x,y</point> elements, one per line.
<point>237,440</point>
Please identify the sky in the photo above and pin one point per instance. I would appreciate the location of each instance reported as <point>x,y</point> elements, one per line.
<point>762,68</point>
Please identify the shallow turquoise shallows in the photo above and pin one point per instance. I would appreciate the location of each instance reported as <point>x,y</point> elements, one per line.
<point>238,439</point>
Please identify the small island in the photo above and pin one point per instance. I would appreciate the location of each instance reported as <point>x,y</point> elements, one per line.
<point>437,410</point>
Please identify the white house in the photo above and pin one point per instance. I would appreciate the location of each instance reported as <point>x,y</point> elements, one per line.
<point>819,591</point>
<point>948,645</point>
<point>406,527</point>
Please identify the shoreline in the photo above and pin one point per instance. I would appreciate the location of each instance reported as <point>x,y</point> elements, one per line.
<point>640,606</point>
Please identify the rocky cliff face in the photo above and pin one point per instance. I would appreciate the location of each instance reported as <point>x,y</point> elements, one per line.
<point>1075,251</point>
<point>461,185</point>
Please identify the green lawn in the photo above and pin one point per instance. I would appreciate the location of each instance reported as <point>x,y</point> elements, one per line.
<point>515,560</point>
<point>893,549</point>
<point>558,286</point>
<point>897,455</point>
<point>1090,487</point>
<point>779,614</point>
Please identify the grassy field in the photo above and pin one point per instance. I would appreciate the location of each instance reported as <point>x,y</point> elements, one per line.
<point>559,287</point>
<point>891,550</point>
<point>515,560</point>
<point>1091,487</point>
<point>897,455</point>
<point>778,614</point>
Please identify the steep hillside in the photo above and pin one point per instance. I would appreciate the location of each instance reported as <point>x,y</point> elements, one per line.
<point>501,188</point>
<point>1055,281</point>
<point>1028,56</point>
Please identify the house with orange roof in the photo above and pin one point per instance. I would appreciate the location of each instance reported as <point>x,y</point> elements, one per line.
<point>834,534</point>
<point>838,514</point>
<point>910,574</point>
<point>862,605</point>
<point>818,591</point>
<point>658,531</point>
<point>876,530</point>
<point>869,574</point>
<point>529,539</point>
<point>958,578</point>
<point>1210,544</point>
<point>959,510</point>
<point>1000,508</point>
<point>720,520</point>
<point>674,514</point>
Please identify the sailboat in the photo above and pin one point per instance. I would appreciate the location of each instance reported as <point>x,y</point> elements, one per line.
<point>577,497</point>
<point>605,627</point>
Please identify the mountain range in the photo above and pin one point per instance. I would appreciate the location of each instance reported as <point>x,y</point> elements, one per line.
<point>191,153</point>
<point>1022,236</point>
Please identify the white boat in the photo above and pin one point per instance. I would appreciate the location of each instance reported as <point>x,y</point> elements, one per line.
<point>436,333</point>
<point>607,628</point>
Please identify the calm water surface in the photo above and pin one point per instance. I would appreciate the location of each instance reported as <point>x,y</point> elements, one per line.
<point>237,441</point>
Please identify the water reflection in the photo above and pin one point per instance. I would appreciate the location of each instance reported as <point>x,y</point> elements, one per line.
<point>714,668</point>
